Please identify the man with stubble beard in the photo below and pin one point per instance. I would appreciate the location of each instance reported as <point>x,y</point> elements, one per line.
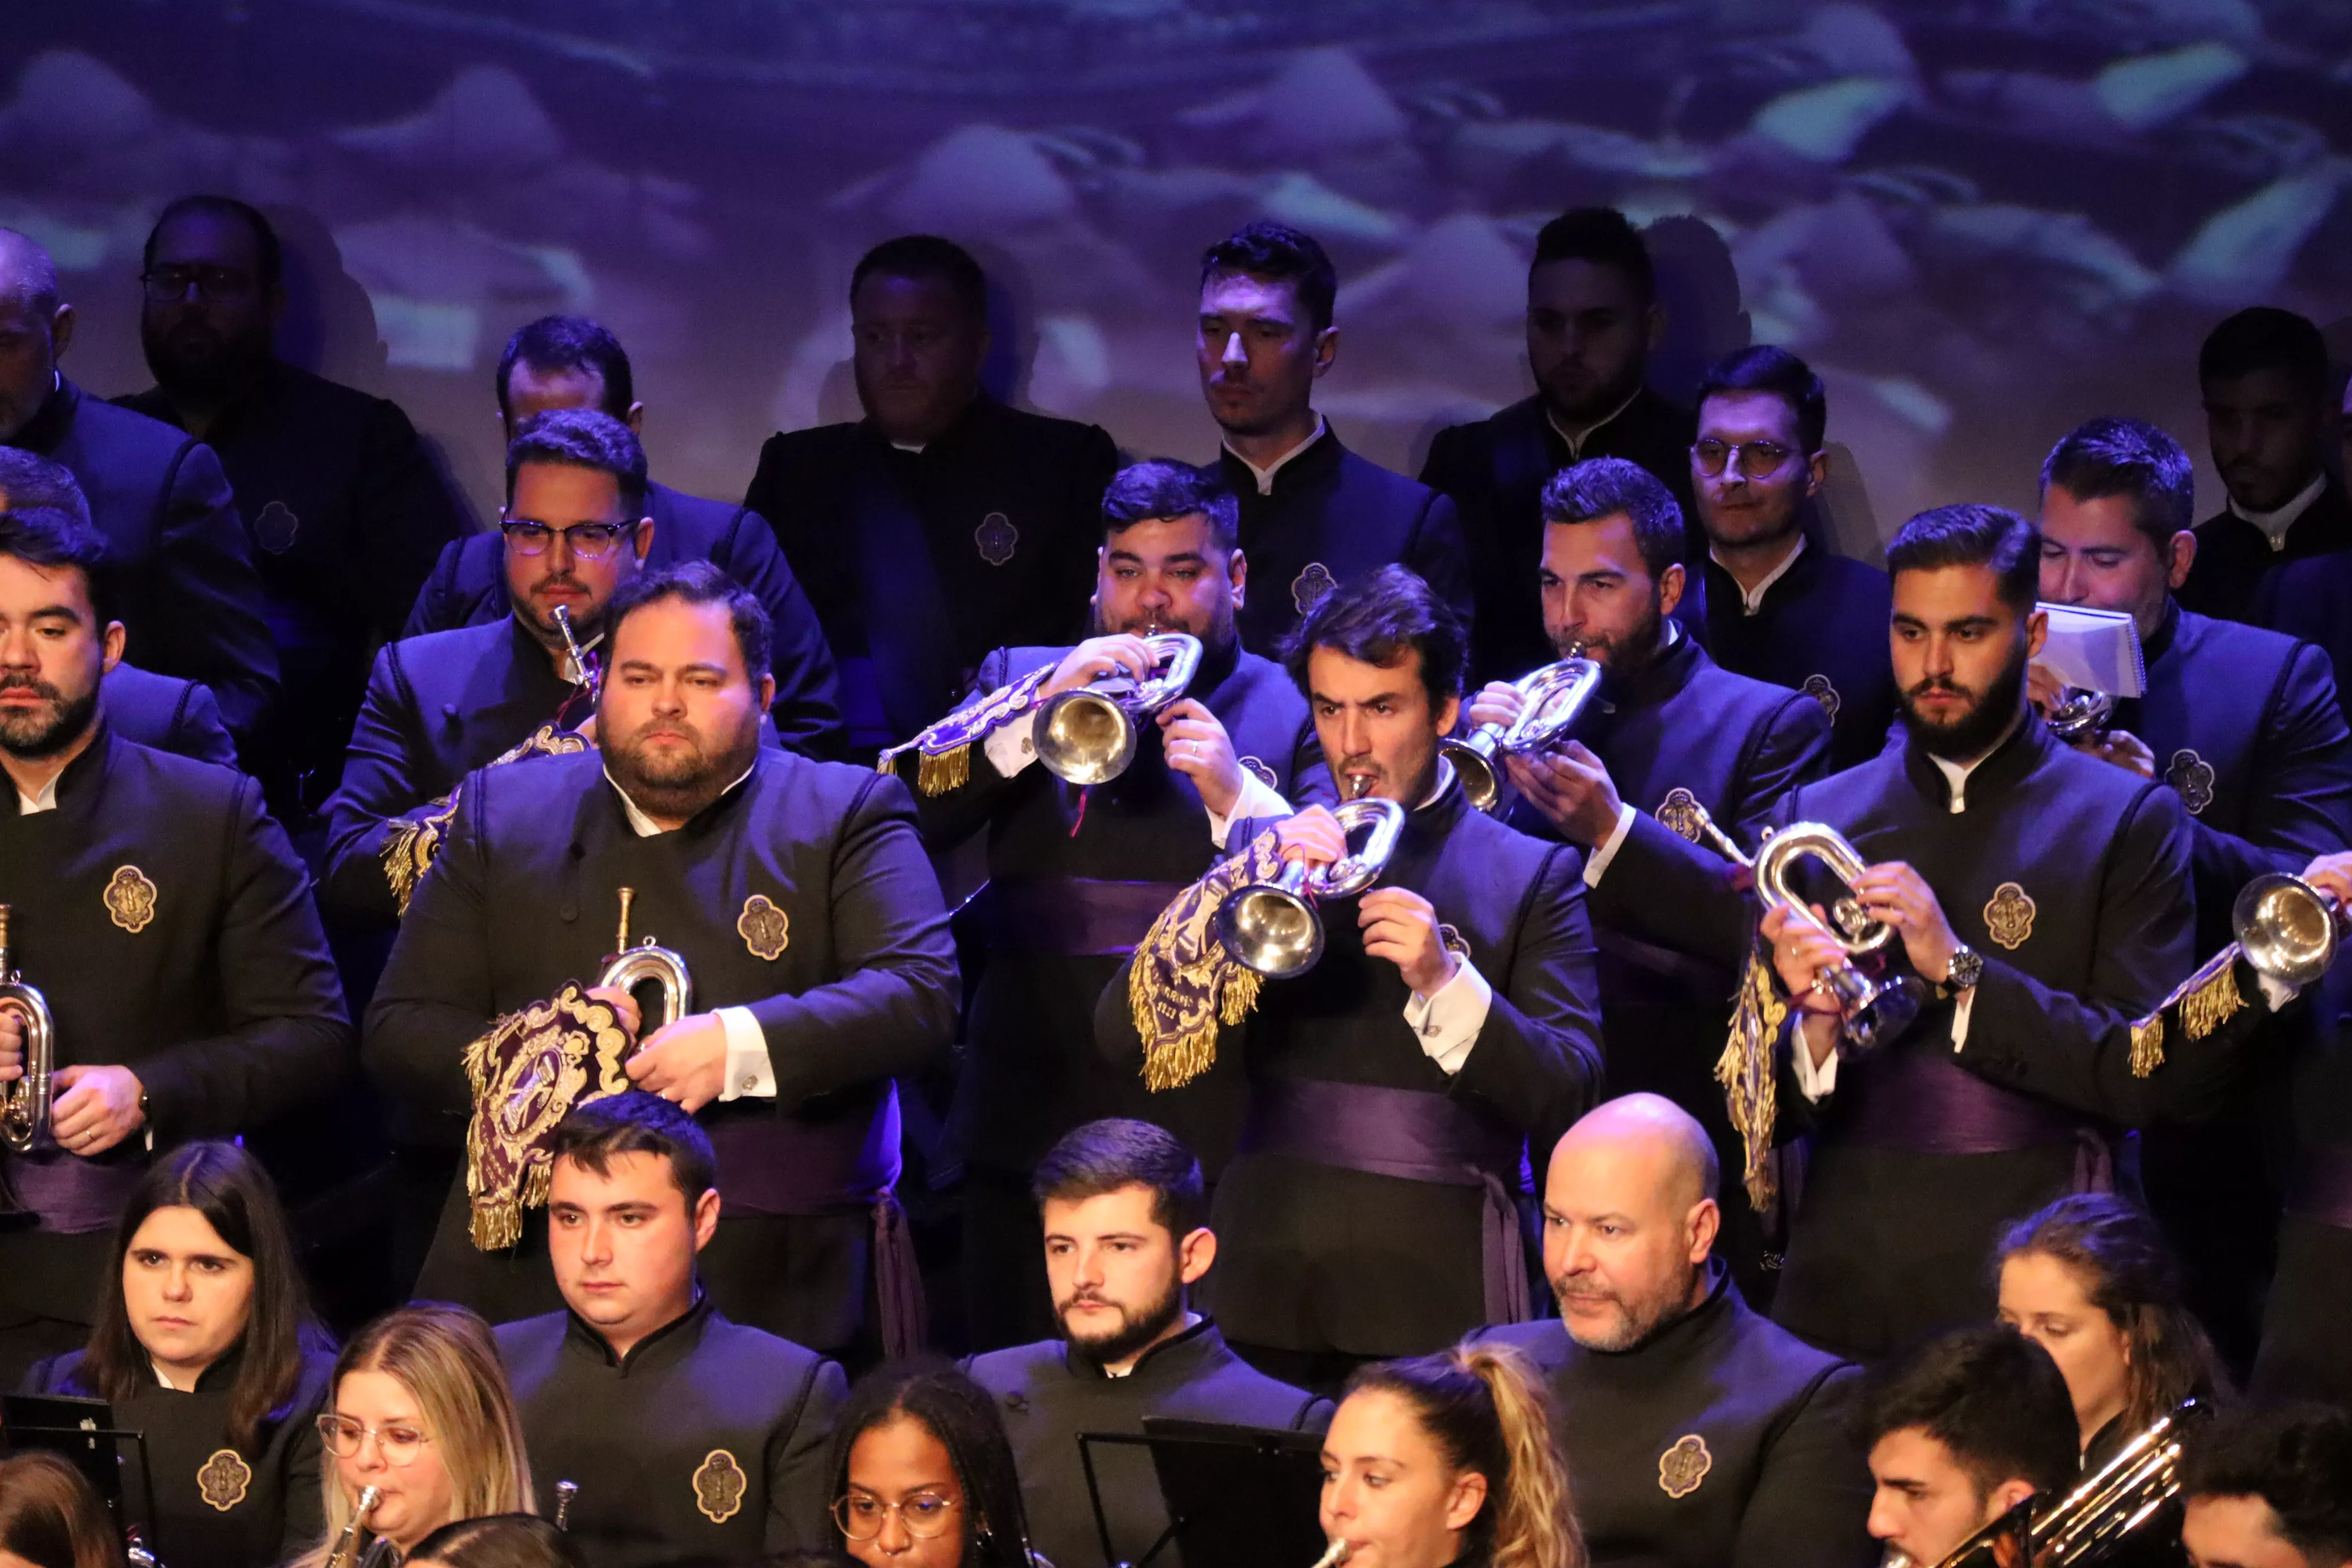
<point>1697,1433</point>
<point>798,895</point>
<point>1126,1237</point>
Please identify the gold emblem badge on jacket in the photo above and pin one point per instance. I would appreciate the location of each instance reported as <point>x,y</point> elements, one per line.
<point>719,1486</point>
<point>223,1481</point>
<point>2009,916</point>
<point>130,899</point>
<point>1683,1465</point>
<point>765,929</point>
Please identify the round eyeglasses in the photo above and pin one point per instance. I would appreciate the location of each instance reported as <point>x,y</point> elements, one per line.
<point>398,1444</point>
<point>925,1514</point>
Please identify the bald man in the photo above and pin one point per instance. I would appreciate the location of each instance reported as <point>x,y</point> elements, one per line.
<point>1696,1432</point>
<point>179,568</point>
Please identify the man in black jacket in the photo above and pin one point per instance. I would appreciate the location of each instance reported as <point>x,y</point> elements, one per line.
<point>1395,1086</point>
<point>179,569</point>
<point>571,362</point>
<point>1698,1435</point>
<point>1593,319</point>
<point>1126,1238</point>
<point>797,894</point>
<point>343,508</point>
<point>2244,725</point>
<point>1076,874</point>
<point>1666,734</point>
<point>691,1438</point>
<point>942,524</point>
<point>1313,514</point>
<point>166,919</point>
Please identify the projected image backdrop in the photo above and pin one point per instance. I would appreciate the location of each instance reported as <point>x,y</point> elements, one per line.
<point>1981,219</point>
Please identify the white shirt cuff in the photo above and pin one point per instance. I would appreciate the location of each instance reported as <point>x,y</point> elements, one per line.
<point>1960,1019</point>
<point>1258,801</point>
<point>1598,861</point>
<point>1815,1083</point>
<point>749,1071</point>
<point>1011,745</point>
<point>1448,1023</point>
<point>2276,993</point>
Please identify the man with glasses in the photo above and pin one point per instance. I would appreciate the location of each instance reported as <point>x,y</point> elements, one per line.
<point>1767,602</point>
<point>342,506</point>
<point>570,361</point>
<point>691,1438</point>
<point>178,563</point>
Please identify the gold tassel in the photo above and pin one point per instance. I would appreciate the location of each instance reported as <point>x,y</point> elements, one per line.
<point>2148,1044</point>
<point>1746,1071</point>
<point>950,769</point>
<point>2213,1003</point>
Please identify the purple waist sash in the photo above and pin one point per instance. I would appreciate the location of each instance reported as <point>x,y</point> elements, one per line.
<point>1922,1101</point>
<point>1074,917</point>
<point>72,1197</point>
<point>2323,1188</point>
<point>1415,1137</point>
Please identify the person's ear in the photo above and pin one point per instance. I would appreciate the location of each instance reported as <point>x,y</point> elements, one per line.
<point>636,419</point>
<point>1238,574</point>
<point>1463,1503</point>
<point>114,639</point>
<point>2037,632</point>
<point>2181,554</point>
<point>61,331</point>
<point>1705,1223</point>
<point>1448,711</point>
<point>1671,584</point>
<point>1326,349</point>
<point>641,539</point>
<point>2007,1496</point>
<point>1817,471</point>
<point>1195,1254</point>
<point>706,1218</point>
<point>767,689</point>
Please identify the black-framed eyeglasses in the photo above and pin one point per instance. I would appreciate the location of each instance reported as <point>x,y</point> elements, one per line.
<point>925,1515</point>
<point>588,540</point>
<point>1755,458</point>
<point>169,285</point>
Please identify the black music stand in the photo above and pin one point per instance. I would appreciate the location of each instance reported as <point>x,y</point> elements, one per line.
<point>82,1433</point>
<point>1237,1497</point>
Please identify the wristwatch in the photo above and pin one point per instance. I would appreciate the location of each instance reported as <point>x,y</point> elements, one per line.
<point>1966,971</point>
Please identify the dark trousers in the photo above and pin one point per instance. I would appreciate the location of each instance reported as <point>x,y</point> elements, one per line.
<point>2307,1352</point>
<point>1006,1300</point>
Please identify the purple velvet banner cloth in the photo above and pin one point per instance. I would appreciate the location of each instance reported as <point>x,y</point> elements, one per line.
<point>1074,917</point>
<point>1924,1101</point>
<point>72,1195</point>
<point>1416,1137</point>
<point>2323,1188</point>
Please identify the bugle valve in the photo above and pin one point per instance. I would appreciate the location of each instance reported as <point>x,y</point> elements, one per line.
<point>1088,735</point>
<point>2079,713</point>
<point>1272,927</point>
<point>648,963</point>
<point>1556,696</point>
<point>25,1103</point>
<point>585,670</point>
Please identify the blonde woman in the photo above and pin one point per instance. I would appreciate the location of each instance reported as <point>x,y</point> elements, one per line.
<point>420,1412</point>
<point>1448,1461</point>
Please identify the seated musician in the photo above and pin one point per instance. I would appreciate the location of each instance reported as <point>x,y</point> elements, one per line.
<point>204,1341</point>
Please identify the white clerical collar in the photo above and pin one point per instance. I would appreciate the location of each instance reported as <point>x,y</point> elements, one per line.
<point>915,446</point>
<point>1751,600</point>
<point>1956,774</point>
<point>1438,786</point>
<point>2274,524</point>
<point>645,827</point>
<point>1265,475</point>
<point>46,800</point>
<point>1577,438</point>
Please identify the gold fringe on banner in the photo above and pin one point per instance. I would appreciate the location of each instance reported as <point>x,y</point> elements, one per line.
<point>527,1073</point>
<point>2148,1044</point>
<point>2211,1003</point>
<point>410,847</point>
<point>1749,1073</point>
<point>948,770</point>
<point>1183,986</point>
<point>944,751</point>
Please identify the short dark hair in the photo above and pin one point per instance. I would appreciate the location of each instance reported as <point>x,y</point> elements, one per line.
<point>1973,535</point>
<point>2296,1458</point>
<point>500,1541</point>
<point>1115,1153</point>
<point>637,1122</point>
<point>570,343</point>
<point>699,583</point>
<point>927,255</point>
<point>1162,488</point>
<point>1604,487</point>
<point>268,255</point>
<point>1987,1393</point>
<point>49,537</point>
<point>1764,368</point>
<point>2131,459</point>
<point>32,481</point>
<point>2264,337</point>
<point>1378,619</point>
<point>1604,236</point>
<point>1280,254</point>
<point>583,438</point>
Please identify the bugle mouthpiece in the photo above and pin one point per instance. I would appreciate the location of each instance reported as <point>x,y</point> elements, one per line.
<point>1334,1554</point>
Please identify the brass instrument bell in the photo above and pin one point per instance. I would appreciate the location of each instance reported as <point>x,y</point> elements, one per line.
<point>2079,713</point>
<point>1272,927</point>
<point>1088,735</point>
<point>1557,696</point>
<point>1871,1010</point>
<point>649,963</point>
<point>24,1104</point>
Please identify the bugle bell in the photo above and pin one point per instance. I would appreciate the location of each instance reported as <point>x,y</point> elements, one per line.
<point>1557,696</point>
<point>2287,928</point>
<point>1272,927</point>
<point>24,1104</point>
<point>1088,735</point>
<point>648,963</point>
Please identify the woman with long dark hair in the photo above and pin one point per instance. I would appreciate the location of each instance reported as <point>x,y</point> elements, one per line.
<point>2092,1280</point>
<point>205,1342</point>
<point>51,1518</point>
<point>923,1474</point>
<point>1448,1461</point>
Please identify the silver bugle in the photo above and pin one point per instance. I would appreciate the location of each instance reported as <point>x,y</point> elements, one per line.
<point>1333,1554</point>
